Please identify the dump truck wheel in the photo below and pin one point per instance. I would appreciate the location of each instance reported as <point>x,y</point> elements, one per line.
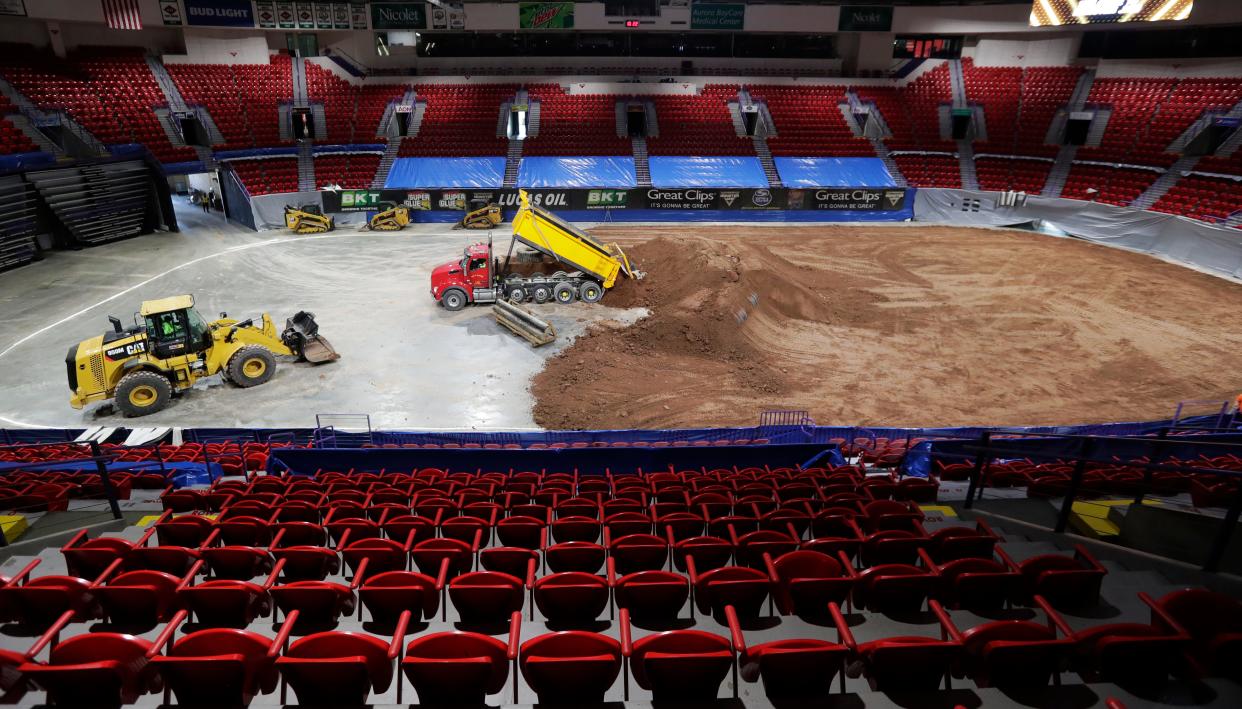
<point>564,293</point>
<point>453,299</point>
<point>541,294</point>
<point>590,292</point>
<point>251,366</point>
<point>517,295</point>
<point>142,393</point>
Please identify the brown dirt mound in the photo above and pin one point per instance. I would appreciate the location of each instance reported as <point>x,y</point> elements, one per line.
<point>892,325</point>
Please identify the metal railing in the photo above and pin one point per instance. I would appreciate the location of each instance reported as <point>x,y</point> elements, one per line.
<point>1157,457</point>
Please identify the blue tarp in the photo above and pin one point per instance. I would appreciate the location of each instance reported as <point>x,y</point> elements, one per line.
<point>707,172</point>
<point>833,172</point>
<point>25,161</point>
<point>256,153</point>
<point>356,148</point>
<point>582,172</point>
<point>430,173</point>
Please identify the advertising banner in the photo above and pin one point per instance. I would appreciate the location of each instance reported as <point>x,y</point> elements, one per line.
<point>358,15</point>
<point>306,16</point>
<point>265,11</point>
<point>696,198</point>
<point>323,16</point>
<point>340,15</point>
<point>17,8</point>
<point>712,16</point>
<point>286,18</point>
<point>865,19</point>
<point>546,15</point>
<point>450,17</point>
<point>398,16</point>
<point>220,13</point>
<point>170,11</point>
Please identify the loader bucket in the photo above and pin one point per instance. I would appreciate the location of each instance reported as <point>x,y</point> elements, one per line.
<point>524,323</point>
<point>302,336</point>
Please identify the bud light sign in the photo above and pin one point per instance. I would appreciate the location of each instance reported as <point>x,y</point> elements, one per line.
<point>219,13</point>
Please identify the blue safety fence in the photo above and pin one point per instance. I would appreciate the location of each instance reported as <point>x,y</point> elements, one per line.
<point>183,168</point>
<point>586,461</point>
<point>578,172</point>
<point>180,474</point>
<point>354,148</point>
<point>736,171</point>
<point>834,172</point>
<point>25,161</point>
<point>431,173</point>
<point>256,153</point>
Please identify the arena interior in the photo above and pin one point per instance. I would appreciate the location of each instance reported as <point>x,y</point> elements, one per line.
<point>738,353</point>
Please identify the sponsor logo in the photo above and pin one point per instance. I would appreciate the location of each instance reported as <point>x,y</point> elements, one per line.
<point>729,196</point>
<point>359,198</point>
<point>606,198</point>
<point>550,199</point>
<point>126,351</point>
<point>894,197</point>
<point>418,200</point>
<point>858,195</point>
<point>399,15</point>
<point>452,200</point>
<point>681,195</point>
<point>795,199</point>
<point>761,198</point>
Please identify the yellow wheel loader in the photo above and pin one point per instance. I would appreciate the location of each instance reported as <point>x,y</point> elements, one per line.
<point>392,218</point>
<point>171,347</point>
<point>487,217</point>
<point>308,219</point>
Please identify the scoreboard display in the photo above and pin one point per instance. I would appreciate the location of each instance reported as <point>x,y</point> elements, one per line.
<point>1046,13</point>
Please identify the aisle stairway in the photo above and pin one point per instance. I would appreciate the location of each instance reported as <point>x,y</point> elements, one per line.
<point>512,162</point>
<point>306,166</point>
<point>385,163</point>
<point>765,158</point>
<point>1060,171</point>
<point>642,166</point>
<point>1165,182</point>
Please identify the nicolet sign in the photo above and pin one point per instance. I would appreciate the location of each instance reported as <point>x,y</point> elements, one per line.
<point>398,16</point>
<point>865,19</point>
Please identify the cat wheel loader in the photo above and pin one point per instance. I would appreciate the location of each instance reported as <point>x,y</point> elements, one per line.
<point>171,346</point>
<point>487,217</point>
<point>392,218</point>
<point>308,219</point>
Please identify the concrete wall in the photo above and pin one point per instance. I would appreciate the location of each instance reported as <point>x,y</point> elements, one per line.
<point>1051,51</point>
<point>212,46</point>
<point>1166,68</point>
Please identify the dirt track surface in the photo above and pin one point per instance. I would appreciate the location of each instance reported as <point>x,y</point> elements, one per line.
<point>926,326</point>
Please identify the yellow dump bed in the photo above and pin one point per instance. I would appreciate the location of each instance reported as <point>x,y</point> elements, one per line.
<point>549,234</point>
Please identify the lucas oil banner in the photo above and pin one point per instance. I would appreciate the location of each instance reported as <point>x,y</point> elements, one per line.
<point>872,199</point>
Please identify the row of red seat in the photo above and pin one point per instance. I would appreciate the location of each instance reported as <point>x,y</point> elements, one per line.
<point>460,121</point>
<point>352,112</point>
<point>698,125</point>
<point>243,99</point>
<point>923,170</point>
<point>575,124</point>
<point>349,170</point>
<point>1014,174</point>
<point>12,139</point>
<point>809,122</point>
<point>267,175</point>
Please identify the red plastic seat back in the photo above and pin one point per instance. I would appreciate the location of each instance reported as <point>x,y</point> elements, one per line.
<point>681,665</point>
<point>486,597</point>
<point>652,595</point>
<point>336,667</point>
<point>456,667</point>
<point>796,667</point>
<point>218,666</point>
<point>571,597</point>
<point>387,595</point>
<point>570,666</point>
<point>97,668</point>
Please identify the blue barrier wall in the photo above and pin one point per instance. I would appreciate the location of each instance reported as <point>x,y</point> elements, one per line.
<point>696,215</point>
<point>707,172</point>
<point>429,173</point>
<point>583,172</point>
<point>833,172</point>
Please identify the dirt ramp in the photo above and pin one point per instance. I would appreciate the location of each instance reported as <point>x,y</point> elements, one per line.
<point>885,325</point>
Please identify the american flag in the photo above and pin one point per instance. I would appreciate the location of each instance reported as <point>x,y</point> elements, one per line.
<point>122,14</point>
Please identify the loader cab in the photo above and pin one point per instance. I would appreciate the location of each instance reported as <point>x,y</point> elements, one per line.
<point>175,328</point>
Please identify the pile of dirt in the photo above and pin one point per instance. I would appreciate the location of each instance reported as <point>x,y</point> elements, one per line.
<point>892,325</point>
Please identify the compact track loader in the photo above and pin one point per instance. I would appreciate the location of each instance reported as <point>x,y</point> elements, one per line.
<point>487,217</point>
<point>308,219</point>
<point>170,347</point>
<point>392,218</point>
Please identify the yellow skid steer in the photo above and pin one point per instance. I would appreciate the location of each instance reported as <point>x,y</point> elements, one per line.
<point>487,217</point>
<point>308,219</point>
<point>392,218</point>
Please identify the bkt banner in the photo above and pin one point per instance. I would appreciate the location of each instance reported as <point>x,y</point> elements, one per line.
<point>219,13</point>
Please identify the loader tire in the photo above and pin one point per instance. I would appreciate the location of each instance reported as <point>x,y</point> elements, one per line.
<point>564,293</point>
<point>590,292</point>
<point>251,366</point>
<point>453,299</point>
<point>142,393</point>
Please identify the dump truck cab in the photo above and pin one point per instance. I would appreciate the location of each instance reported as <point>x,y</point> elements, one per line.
<point>470,279</point>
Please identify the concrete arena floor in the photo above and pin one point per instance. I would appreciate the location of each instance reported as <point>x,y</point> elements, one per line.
<point>404,360</point>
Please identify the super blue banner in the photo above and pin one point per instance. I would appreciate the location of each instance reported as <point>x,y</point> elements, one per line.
<point>219,13</point>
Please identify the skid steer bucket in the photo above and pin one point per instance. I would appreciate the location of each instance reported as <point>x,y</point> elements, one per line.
<point>302,336</point>
<point>522,322</point>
